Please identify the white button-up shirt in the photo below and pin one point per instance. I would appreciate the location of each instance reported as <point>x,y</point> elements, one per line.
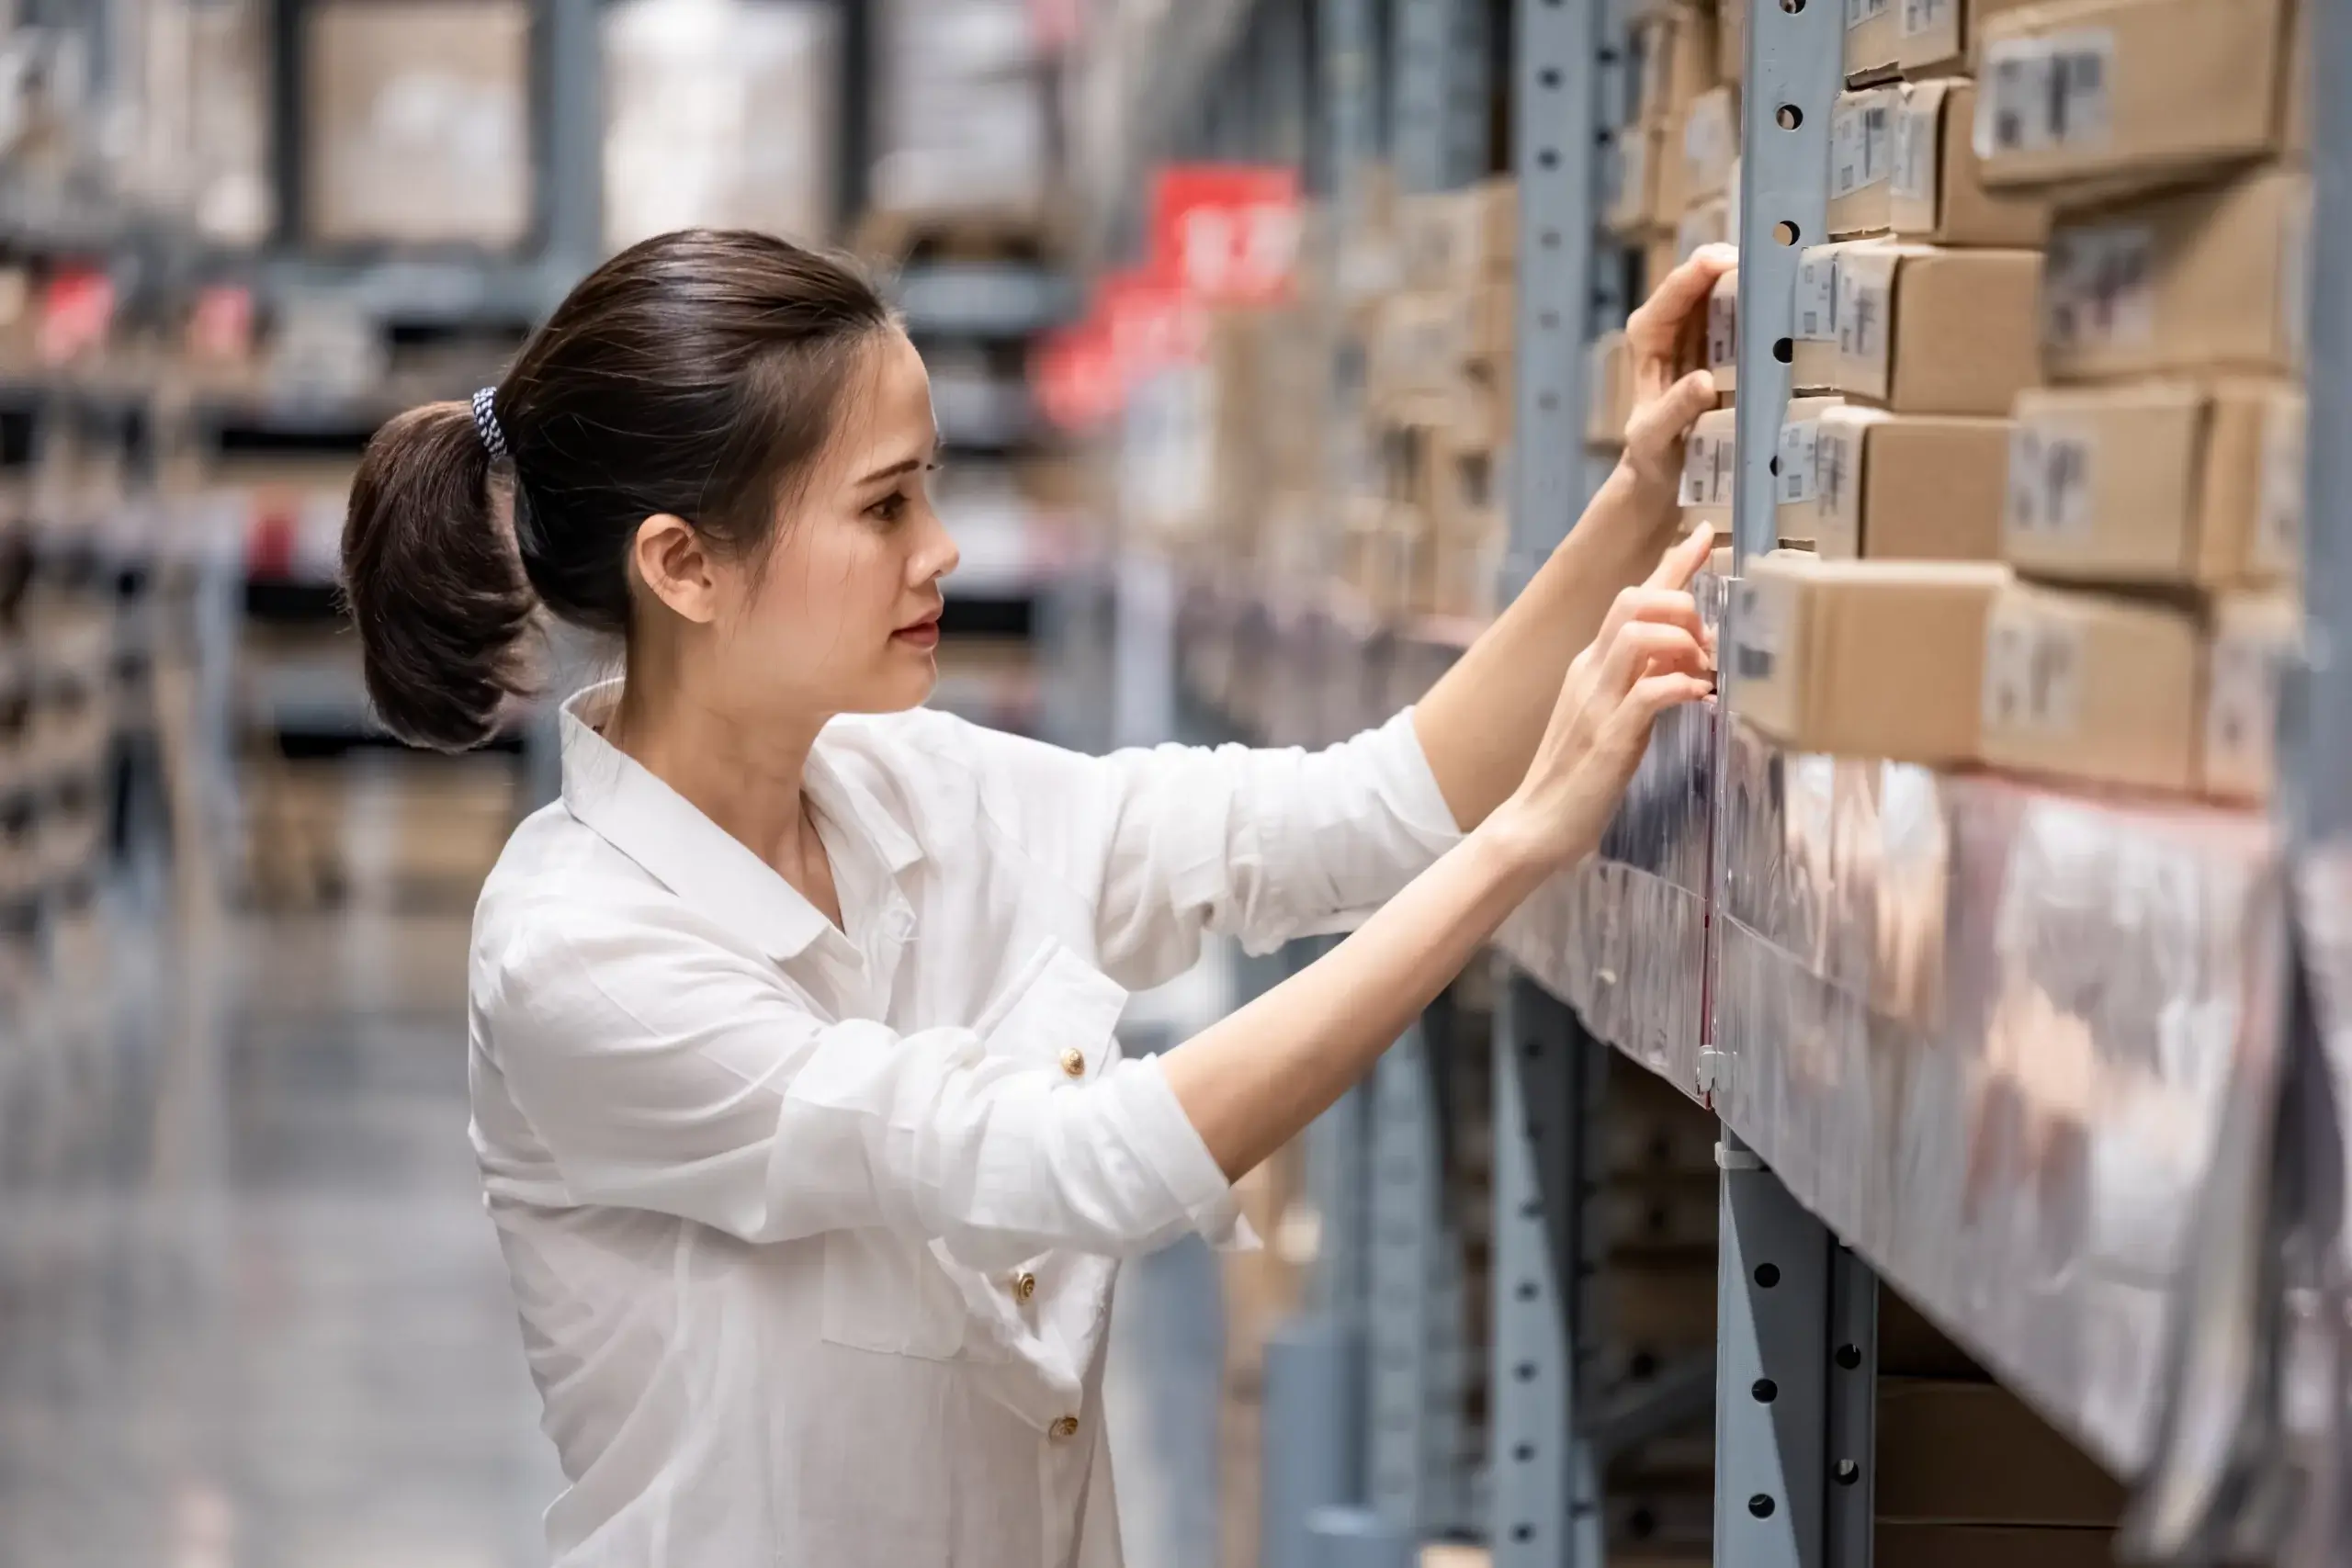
<point>812,1229</point>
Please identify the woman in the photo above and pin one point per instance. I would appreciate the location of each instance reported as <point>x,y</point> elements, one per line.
<point>795,1095</point>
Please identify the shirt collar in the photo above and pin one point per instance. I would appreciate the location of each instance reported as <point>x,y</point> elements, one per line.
<point>659,828</point>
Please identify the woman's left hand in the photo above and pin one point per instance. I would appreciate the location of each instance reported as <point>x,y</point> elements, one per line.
<point>1669,332</point>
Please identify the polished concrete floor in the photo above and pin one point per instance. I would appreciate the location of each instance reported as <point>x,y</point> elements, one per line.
<point>251,1314</point>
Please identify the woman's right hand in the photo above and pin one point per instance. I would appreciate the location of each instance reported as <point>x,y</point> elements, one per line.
<point>1652,653</point>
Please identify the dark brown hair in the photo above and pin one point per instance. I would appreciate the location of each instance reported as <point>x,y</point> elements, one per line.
<point>696,373</point>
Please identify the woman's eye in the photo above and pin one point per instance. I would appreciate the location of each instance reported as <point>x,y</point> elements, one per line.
<point>891,507</point>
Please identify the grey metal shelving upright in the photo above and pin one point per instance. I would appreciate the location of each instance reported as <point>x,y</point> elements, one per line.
<point>1544,1473</point>
<point>1796,1310</point>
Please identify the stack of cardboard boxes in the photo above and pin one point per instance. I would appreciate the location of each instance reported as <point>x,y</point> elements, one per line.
<point>2061,485</point>
<point>1672,172</point>
<point>1423,527</point>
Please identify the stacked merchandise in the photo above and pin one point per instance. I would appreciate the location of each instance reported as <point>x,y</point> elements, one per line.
<point>1672,175</point>
<point>1425,536</point>
<point>2049,559</point>
<point>962,130</point>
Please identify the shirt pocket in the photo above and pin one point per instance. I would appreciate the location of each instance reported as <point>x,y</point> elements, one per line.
<point>1059,1012</point>
<point>889,1293</point>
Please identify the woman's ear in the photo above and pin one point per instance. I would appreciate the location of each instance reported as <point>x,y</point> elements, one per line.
<point>675,565</point>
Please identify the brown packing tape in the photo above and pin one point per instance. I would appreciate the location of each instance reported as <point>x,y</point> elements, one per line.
<point>2092,687</point>
<point>2157,484</point>
<point>2148,90</point>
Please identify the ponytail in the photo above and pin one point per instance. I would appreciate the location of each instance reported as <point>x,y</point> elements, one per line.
<point>434,581</point>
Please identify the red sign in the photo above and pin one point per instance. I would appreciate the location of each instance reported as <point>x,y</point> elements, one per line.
<point>1152,321</point>
<point>76,314</point>
<point>1075,375</point>
<point>1230,232</point>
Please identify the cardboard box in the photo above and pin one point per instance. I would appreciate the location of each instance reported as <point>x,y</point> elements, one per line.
<point>1457,239</point>
<point>1709,145</point>
<point>378,171</point>
<point>2133,89</point>
<point>1923,330</point>
<point>1682,38</point>
<point>1909,487</point>
<point>2094,687</point>
<point>1900,1545</point>
<point>1722,332</point>
<point>1709,470</point>
<point>2158,483</point>
<point>1814,367</point>
<point>2209,281</point>
<point>1630,204</point>
<point>1936,37</point>
<point>2256,635</point>
<point>1936,191</point>
<point>1872,658</point>
<point>1731,41</point>
<point>1795,481</point>
<point>1873,30</point>
<point>1709,223</point>
<point>1973,1453</point>
<point>1862,159</point>
<point>1609,392</point>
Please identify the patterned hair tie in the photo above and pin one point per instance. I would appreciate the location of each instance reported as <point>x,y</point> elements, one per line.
<point>486,423</point>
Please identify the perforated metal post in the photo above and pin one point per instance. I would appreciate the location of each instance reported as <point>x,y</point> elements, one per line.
<point>1795,1380</point>
<point>1414,1422</point>
<point>1555,130</point>
<point>1545,1488</point>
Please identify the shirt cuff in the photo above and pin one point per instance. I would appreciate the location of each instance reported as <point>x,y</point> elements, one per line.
<point>1165,1138</point>
<point>1410,782</point>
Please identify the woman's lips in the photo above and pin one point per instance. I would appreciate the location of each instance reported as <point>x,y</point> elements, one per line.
<point>922,634</point>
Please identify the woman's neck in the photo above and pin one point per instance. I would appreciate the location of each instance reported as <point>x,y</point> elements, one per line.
<point>748,777</point>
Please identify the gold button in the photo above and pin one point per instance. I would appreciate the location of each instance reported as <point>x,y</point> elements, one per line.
<point>1024,1286</point>
<point>1073,1064</point>
<point>1063,1427</point>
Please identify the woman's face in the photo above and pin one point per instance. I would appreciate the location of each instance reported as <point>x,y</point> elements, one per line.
<point>842,614</point>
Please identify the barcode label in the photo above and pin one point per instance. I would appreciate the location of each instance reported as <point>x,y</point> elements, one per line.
<point>1858,12</point>
<point>1913,163</point>
<point>1799,444</point>
<point>2049,483</point>
<point>2100,288</point>
<point>1698,471</point>
<point>1862,319</point>
<point>2278,545</point>
<point>1722,328</point>
<point>1861,134</point>
<point>1924,16</point>
<point>2033,673</point>
<point>1757,631</point>
<point>1836,463</point>
<point>2041,94</point>
<point>1816,301</point>
<point>2241,698</point>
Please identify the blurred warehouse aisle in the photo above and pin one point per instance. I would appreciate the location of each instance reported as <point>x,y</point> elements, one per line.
<point>257,1318</point>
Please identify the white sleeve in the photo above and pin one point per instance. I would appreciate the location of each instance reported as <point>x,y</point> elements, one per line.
<point>1260,845</point>
<point>664,1072</point>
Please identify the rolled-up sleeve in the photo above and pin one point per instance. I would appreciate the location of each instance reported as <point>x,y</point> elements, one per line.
<point>665,1072</point>
<point>1263,845</point>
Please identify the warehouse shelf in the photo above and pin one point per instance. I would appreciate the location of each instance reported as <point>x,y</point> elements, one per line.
<point>2061,1069</point>
<point>983,300</point>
